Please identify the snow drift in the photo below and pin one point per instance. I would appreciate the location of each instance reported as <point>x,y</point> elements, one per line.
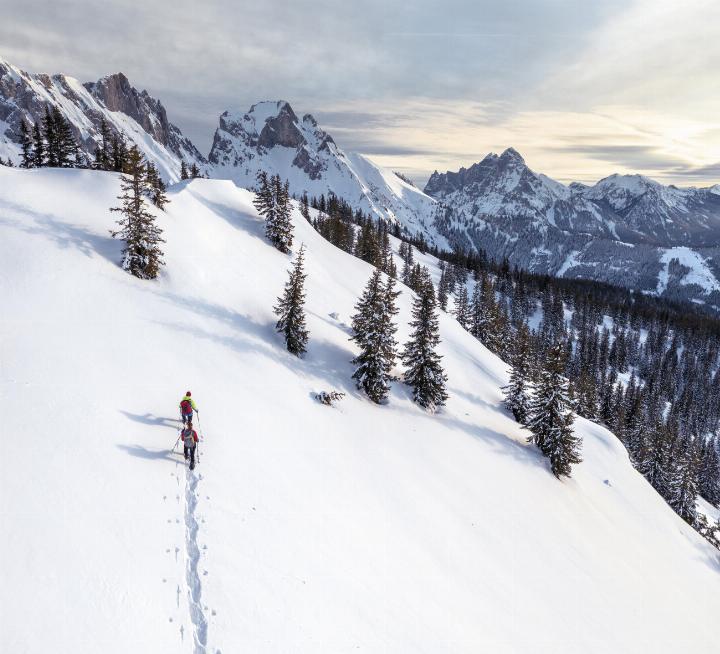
<point>305,528</point>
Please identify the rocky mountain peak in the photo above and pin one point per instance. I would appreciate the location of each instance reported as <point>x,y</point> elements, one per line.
<point>512,156</point>
<point>280,129</point>
<point>139,117</point>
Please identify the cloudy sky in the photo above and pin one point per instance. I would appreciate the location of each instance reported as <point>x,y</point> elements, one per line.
<point>582,89</point>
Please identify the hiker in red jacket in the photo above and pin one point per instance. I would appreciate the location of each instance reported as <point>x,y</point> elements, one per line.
<point>190,440</point>
<point>187,406</point>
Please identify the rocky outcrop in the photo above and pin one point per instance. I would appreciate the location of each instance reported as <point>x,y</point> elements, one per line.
<point>25,96</point>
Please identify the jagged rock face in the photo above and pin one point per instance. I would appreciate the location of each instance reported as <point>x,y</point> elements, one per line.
<point>624,230</point>
<point>25,96</point>
<point>116,93</point>
<point>281,130</point>
<point>267,126</point>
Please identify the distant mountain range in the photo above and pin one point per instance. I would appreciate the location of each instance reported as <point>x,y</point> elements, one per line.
<point>626,229</point>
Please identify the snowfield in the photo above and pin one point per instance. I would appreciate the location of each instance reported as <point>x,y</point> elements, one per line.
<point>304,528</point>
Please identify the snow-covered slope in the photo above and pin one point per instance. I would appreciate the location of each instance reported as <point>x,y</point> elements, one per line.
<point>305,528</point>
<point>139,117</point>
<point>272,138</point>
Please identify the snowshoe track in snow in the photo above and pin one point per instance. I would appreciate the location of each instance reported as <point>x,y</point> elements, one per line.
<point>192,555</point>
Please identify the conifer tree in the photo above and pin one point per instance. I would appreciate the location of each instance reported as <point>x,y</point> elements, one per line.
<point>709,473</point>
<point>183,169</point>
<point>586,394</point>
<point>66,150</point>
<point>305,207</point>
<point>272,201</point>
<point>517,392</point>
<point>119,154</point>
<point>51,151</point>
<point>142,256</point>
<point>408,259</point>
<point>103,152</point>
<point>462,307</point>
<point>264,202</point>
<point>653,459</point>
<point>424,372</point>
<point>367,247</point>
<point>550,416</point>
<point>392,268</point>
<point>194,171</point>
<point>683,481</point>
<point>478,320</point>
<point>38,156</point>
<point>443,287</point>
<point>156,187</point>
<point>26,145</point>
<point>374,331</point>
<point>279,229</point>
<point>290,308</point>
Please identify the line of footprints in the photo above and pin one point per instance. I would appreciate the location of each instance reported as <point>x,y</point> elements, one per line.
<point>192,579</point>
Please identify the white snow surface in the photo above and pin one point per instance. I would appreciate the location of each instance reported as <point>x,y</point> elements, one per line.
<point>304,528</point>
<point>699,274</point>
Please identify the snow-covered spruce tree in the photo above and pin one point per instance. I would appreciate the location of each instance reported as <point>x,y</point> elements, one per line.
<point>156,187</point>
<point>305,206</point>
<point>103,153</point>
<point>415,278</point>
<point>683,482</point>
<point>66,147</point>
<point>424,372</point>
<point>290,308</point>
<point>374,332</point>
<point>517,392</point>
<point>709,473</point>
<point>550,416</point>
<point>119,153</point>
<point>264,202</point>
<point>272,201</point>
<point>478,319</point>
<point>280,230</point>
<point>26,160</point>
<point>587,400</point>
<point>406,252</point>
<point>462,307</point>
<point>443,287</point>
<point>654,457</point>
<point>183,170</point>
<point>38,156</point>
<point>142,256</point>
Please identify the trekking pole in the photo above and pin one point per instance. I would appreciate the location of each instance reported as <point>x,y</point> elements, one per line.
<point>178,438</point>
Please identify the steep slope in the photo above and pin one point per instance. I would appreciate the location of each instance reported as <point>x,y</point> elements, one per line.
<point>272,138</point>
<point>623,230</point>
<point>305,528</point>
<point>139,117</point>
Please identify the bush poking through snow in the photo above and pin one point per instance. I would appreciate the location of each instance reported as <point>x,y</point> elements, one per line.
<point>328,398</point>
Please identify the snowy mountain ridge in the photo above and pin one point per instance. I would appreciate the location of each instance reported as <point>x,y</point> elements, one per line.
<point>622,230</point>
<point>305,528</point>
<point>270,137</point>
<point>139,117</point>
